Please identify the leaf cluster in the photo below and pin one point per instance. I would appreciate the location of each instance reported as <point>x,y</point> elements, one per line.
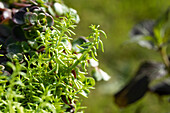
<point>42,68</point>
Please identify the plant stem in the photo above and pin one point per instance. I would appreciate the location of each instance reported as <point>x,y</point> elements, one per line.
<point>165,57</point>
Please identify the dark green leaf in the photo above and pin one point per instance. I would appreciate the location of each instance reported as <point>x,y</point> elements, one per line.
<point>14,48</point>
<point>10,40</point>
<point>41,16</point>
<point>25,47</point>
<point>50,20</point>
<point>33,44</point>
<point>27,17</point>
<point>18,18</point>
<point>162,88</point>
<point>18,33</point>
<point>5,31</point>
<point>33,18</point>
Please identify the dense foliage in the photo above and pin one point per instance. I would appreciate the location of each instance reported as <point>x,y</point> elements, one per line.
<point>42,69</point>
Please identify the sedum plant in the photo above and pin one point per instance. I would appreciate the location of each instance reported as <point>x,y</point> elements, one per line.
<point>42,68</point>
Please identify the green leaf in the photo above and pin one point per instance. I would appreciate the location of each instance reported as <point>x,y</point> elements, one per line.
<point>159,27</point>
<point>90,81</point>
<point>51,11</point>
<point>25,47</point>
<point>50,20</point>
<point>14,48</point>
<point>2,67</point>
<point>33,18</point>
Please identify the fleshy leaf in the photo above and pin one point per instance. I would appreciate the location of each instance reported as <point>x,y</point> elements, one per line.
<point>18,33</point>
<point>51,11</point>
<point>33,18</point>
<point>4,32</point>
<point>25,47</point>
<point>27,17</point>
<point>50,20</point>
<point>14,48</point>
<point>75,15</point>
<point>90,81</point>
<point>15,57</point>
<point>18,18</point>
<point>58,9</point>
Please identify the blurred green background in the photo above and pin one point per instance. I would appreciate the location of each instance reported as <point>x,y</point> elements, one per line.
<point>120,59</point>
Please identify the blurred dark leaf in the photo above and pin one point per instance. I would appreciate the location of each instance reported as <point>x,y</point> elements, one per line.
<point>142,33</point>
<point>33,54</point>
<point>14,48</point>
<point>41,16</point>
<point>4,30</point>
<point>18,33</point>
<point>33,8</point>
<point>10,40</point>
<point>138,86</point>
<point>5,73</point>
<point>3,59</point>
<point>18,17</point>
<point>162,88</point>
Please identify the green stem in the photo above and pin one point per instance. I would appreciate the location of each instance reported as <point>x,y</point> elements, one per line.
<point>165,57</point>
<point>80,59</point>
